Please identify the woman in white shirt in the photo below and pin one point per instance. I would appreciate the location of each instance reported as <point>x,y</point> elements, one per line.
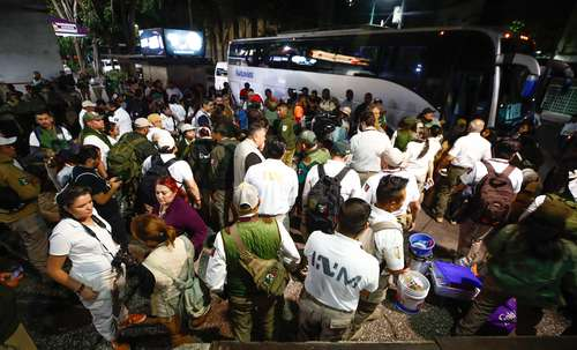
<point>170,260</point>
<point>83,237</point>
<point>420,156</point>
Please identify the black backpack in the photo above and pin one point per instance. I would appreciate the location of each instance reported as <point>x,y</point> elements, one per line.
<point>158,169</point>
<point>199,159</point>
<point>324,201</point>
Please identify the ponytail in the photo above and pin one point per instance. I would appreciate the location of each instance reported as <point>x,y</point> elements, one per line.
<point>425,149</point>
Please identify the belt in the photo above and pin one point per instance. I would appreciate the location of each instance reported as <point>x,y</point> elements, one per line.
<point>306,295</point>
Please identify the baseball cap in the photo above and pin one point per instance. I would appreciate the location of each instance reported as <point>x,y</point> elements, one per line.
<point>154,118</point>
<point>245,198</point>
<point>142,123</point>
<point>429,124</point>
<point>88,116</point>
<point>186,127</point>
<point>88,103</point>
<point>4,141</point>
<point>346,110</point>
<point>308,137</point>
<point>165,141</point>
<point>340,148</point>
<point>393,157</point>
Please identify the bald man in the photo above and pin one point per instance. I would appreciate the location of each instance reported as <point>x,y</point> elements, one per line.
<point>466,151</point>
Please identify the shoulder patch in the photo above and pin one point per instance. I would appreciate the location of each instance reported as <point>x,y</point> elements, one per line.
<point>23,181</point>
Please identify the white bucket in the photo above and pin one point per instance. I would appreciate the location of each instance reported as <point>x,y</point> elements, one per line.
<point>412,289</point>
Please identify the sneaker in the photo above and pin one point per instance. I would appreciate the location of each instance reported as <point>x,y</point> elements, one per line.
<point>439,219</point>
<point>452,222</point>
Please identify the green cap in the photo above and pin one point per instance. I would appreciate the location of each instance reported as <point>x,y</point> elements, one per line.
<point>340,148</point>
<point>89,116</point>
<point>308,137</point>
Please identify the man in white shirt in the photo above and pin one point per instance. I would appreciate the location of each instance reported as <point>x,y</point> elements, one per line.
<point>178,111</point>
<point>392,161</point>
<point>179,170</point>
<point>367,147</point>
<point>266,239</point>
<point>476,226</point>
<point>384,241</point>
<point>87,106</point>
<point>466,151</point>
<point>277,184</point>
<point>173,90</point>
<point>120,118</point>
<point>350,185</point>
<point>93,134</point>
<point>339,270</point>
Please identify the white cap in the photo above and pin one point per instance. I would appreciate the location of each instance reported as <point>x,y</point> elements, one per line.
<point>165,141</point>
<point>346,110</point>
<point>245,197</point>
<point>142,123</point>
<point>88,103</point>
<point>4,141</point>
<point>186,127</point>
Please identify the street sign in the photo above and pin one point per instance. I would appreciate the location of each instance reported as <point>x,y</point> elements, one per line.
<point>63,27</point>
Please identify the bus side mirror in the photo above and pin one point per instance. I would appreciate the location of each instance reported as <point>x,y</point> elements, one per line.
<point>529,86</point>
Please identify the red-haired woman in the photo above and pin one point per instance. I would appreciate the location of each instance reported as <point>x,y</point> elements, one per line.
<point>174,209</point>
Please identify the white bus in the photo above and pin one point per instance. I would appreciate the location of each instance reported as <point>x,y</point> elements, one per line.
<point>456,71</point>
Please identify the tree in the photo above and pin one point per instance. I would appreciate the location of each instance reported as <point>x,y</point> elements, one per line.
<point>67,9</point>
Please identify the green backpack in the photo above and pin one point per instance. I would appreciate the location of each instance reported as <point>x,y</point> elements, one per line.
<point>557,208</point>
<point>122,159</point>
<point>269,275</point>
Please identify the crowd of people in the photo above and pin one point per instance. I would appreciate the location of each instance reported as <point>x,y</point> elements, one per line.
<point>200,195</point>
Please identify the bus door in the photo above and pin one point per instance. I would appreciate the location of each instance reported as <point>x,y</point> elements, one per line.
<point>519,74</point>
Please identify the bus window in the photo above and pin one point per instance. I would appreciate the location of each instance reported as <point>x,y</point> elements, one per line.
<point>237,55</point>
<point>357,60</point>
<point>315,55</point>
<point>278,55</point>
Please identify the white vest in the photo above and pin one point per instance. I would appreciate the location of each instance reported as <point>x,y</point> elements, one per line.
<point>243,149</point>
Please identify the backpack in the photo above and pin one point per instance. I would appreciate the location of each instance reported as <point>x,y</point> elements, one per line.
<point>494,196</point>
<point>158,169</point>
<point>557,208</point>
<point>324,201</point>
<point>194,299</point>
<point>367,239</point>
<point>199,159</point>
<point>122,159</point>
<point>269,275</point>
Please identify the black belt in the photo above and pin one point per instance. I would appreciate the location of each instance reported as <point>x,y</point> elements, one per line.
<point>306,295</point>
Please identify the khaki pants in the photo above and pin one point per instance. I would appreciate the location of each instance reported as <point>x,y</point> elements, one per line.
<point>368,304</point>
<point>288,156</point>
<point>221,200</point>
<point>34,233</point>
<point>444,189</point>
<point>19,340</point>
<point>320,322</point>
<point>246,311</point>
<point>365,175</point>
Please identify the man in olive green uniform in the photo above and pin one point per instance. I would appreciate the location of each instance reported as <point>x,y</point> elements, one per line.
<point>222,173</point>
<point>286,133</point>
<point>264,238</point>
<point>19,204</point>
<point>313,154</point>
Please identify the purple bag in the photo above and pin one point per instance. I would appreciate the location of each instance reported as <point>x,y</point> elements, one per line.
<point>505,316</point>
